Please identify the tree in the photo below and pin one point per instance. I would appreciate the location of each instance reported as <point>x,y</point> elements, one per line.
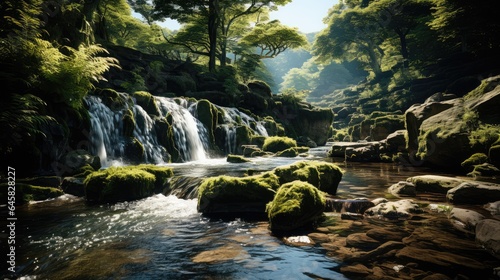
<point>273,38</point>
<point>471,25</point>
<point>352,34</point>
<point>401,17</point>
<point>214,13</point>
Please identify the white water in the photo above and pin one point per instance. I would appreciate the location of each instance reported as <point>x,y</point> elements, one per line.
<point>190,135</point>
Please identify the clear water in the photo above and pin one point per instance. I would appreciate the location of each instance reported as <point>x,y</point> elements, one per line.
<point>163,237</point>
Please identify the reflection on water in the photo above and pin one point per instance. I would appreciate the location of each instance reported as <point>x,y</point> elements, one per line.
<point>163,237</point>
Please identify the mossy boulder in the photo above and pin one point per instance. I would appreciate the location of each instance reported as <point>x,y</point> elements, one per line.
<point>166,137</point>
<point>128,122</point>
<point>78,161</point>
<point>290,152</point>
<point>117,184</point>
<point>147,102</point>
<point>323,175</point>
<point>236,159</point>
<point>226,195</point>
<point>475,159</point>
<point>296,204</point>
<point>134,151</point>
<point>26,193</point>
<point>207,114</point>
<point>276,144</point>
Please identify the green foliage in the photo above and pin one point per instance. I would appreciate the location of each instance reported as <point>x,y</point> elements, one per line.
<point>292,96</point>
<point>296,204</point>
<point>484,136</point>
<point>276,144</point>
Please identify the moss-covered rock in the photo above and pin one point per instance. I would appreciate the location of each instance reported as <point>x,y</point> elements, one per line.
<point>134,151</point>
<point>128,123</point>
<point>323,175</point>
<point>117,184</point>
<point>475,159</point>
<point>78,161</point>
<point>236,159</point>
<point>276,144</point>
<point>296,204</point>
<point>25,193</point>
<point>290,152</point>
<point>207,114</point>
<point>166,137</point>
<point>147,102</point>
<point>233,195</point>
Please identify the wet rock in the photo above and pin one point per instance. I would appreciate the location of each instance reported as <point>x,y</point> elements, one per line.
<point>357,270</point>
<point>76,160</point>
<point>236,159</point>
<point>493,207</point>
<point>339,148</point>
<point>376,253</point>
<point>396,141</point>
<point>434,183</point>
<point>474,192</point>
<point>465,220</point>
<point>403,188</point>
<point>384,235</point>
<point>298,241</point>
<point>444,262</point>
<point>488,236</point>
<point>401,209</point>
<point>74,186</point>
<point>379,200</point>
<point>222,254</point>
<point>319,237</point>
<point>351,216</point>
<point>361,241</point>
<point>358,205</point>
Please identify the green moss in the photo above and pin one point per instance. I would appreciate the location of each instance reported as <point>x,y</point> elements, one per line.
<point>290,152</point>
<point>207,114</point>
<point>236,159</point>
<point>323,175</point>
<point>128,123</point>
<point>226,189</point>
<point>25,193</point>
<point>117,184</point>
<point>162,175</point>
<point>276,144</point>
<point>475,159</point>
<point>147,102</point>
<point>296,204</point>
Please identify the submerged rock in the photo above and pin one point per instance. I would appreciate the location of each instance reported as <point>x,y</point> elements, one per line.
<point>434,183</point>
<point>403,188</point>
<point>401,209</point>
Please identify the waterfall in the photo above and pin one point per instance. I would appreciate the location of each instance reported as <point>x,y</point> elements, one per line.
<point>191,137</point>
<point>107,131</point>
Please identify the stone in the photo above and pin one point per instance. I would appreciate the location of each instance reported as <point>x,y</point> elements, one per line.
<point>362,241</point>
<point>488,236</point>
<point>236,159</point>
<point>73,186</point>
<point>444,262</point>
<point>357,270</point>
<point>396,141</point>
<point>465,220</point>
<point>493,207</point>
<point>403,188</point>
<point>387,234</point>
<point>230,252</point>
<point>297,204</point>
<point>402,209</point>
<point>74,161</point>
<point>358,205</point>
<point>474,192</point>
<point>434,183</point>
<point>298,241</point>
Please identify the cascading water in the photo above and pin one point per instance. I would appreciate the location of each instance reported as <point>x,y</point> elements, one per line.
<point>191,136</point>
<point>107,131</point>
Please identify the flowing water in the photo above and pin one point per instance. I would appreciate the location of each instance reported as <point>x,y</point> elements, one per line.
<point>163,237</point>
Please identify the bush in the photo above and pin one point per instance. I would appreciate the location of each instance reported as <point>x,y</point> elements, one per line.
<point>276,144</point>
<point>295,205</point>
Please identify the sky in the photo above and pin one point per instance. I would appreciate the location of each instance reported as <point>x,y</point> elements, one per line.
<point>306,15</point>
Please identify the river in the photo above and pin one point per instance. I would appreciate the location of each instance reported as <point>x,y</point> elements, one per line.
<point>163,237</point>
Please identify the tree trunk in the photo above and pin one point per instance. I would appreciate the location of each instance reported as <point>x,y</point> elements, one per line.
<point>212,33</point>
<point>404,49</point>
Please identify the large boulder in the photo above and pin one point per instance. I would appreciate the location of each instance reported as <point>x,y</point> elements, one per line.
<point>487,235</point>
<point>74,162</point>
<point>118,184</point>
<point>226,195</point>
<point>323,175</point>
<point>314,123</point>
<point>474,192</point>
<point>296,204</point>
<point>434,183</point>
<point>416,115</point>
<point>465,220</point>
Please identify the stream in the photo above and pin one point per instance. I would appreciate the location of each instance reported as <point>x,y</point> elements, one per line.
<point>163,237</point>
